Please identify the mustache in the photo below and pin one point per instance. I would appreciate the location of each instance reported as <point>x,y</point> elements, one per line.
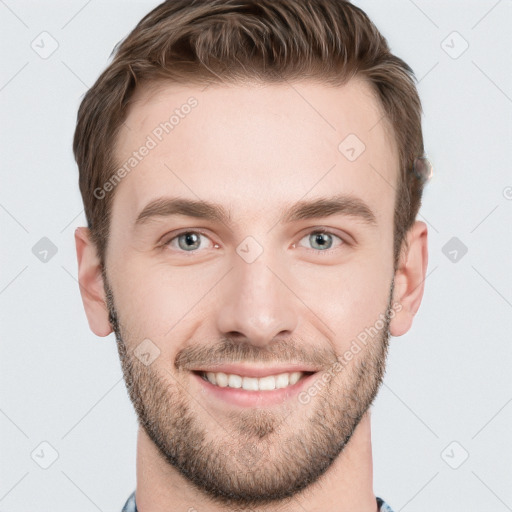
<point>230,351</point>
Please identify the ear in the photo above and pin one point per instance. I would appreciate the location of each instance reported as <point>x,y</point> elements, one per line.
<point>410,278</point>
<point>91,283</point>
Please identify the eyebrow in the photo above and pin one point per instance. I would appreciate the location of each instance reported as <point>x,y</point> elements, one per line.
<point>168,206</point>
<point>324,207</point>
<point>302,210</point>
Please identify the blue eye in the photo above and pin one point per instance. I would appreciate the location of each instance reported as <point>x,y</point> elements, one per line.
<point>188,241</point>
<point>322,240</point>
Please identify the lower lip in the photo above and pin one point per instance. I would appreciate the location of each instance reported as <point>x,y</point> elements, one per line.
<point>244,398</point>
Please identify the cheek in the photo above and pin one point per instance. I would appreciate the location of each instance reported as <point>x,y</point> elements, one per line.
<point>352,299</point>
<point>157,301</point>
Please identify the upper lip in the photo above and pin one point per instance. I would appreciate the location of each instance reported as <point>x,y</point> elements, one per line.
<point>256,371</point>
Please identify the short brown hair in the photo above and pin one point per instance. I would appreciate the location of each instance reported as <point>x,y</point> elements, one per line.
<point>215,41</point>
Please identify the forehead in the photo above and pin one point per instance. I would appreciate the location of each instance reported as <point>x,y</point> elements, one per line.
<point>256,145</point>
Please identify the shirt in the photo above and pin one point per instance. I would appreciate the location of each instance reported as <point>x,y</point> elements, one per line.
<point>131,507</point>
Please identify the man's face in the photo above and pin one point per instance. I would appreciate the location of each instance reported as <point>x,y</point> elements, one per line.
<point>261,287</point>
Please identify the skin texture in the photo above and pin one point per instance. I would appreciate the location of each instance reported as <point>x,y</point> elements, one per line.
<point>255,149</point>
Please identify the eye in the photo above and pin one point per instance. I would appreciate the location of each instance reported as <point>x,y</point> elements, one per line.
<point>188,241</point>
<point>322,240</point>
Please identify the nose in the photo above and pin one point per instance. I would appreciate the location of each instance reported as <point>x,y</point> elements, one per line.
<point>256,304</point>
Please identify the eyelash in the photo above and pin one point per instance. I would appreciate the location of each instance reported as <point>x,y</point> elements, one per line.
<point>318,230</point>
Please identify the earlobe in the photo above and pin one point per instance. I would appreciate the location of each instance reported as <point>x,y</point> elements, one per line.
<point>410,278</point>
<point>90,281</point>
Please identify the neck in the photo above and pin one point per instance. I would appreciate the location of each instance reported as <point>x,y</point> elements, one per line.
<point>347,486</point>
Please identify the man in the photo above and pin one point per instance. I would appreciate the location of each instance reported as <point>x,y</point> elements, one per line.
<point>251,172</point>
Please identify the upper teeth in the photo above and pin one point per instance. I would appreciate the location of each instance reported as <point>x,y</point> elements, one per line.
<point>252,383</point>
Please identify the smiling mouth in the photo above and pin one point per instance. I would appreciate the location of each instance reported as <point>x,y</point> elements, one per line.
<point>267,383</point>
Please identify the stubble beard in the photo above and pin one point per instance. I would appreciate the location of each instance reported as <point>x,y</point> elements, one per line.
<point>256,458</point>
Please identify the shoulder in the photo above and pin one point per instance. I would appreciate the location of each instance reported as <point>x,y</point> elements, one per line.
<point>383,506</point>
<point>130,506</point>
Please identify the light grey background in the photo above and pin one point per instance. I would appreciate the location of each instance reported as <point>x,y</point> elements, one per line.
<point>447,392</point>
